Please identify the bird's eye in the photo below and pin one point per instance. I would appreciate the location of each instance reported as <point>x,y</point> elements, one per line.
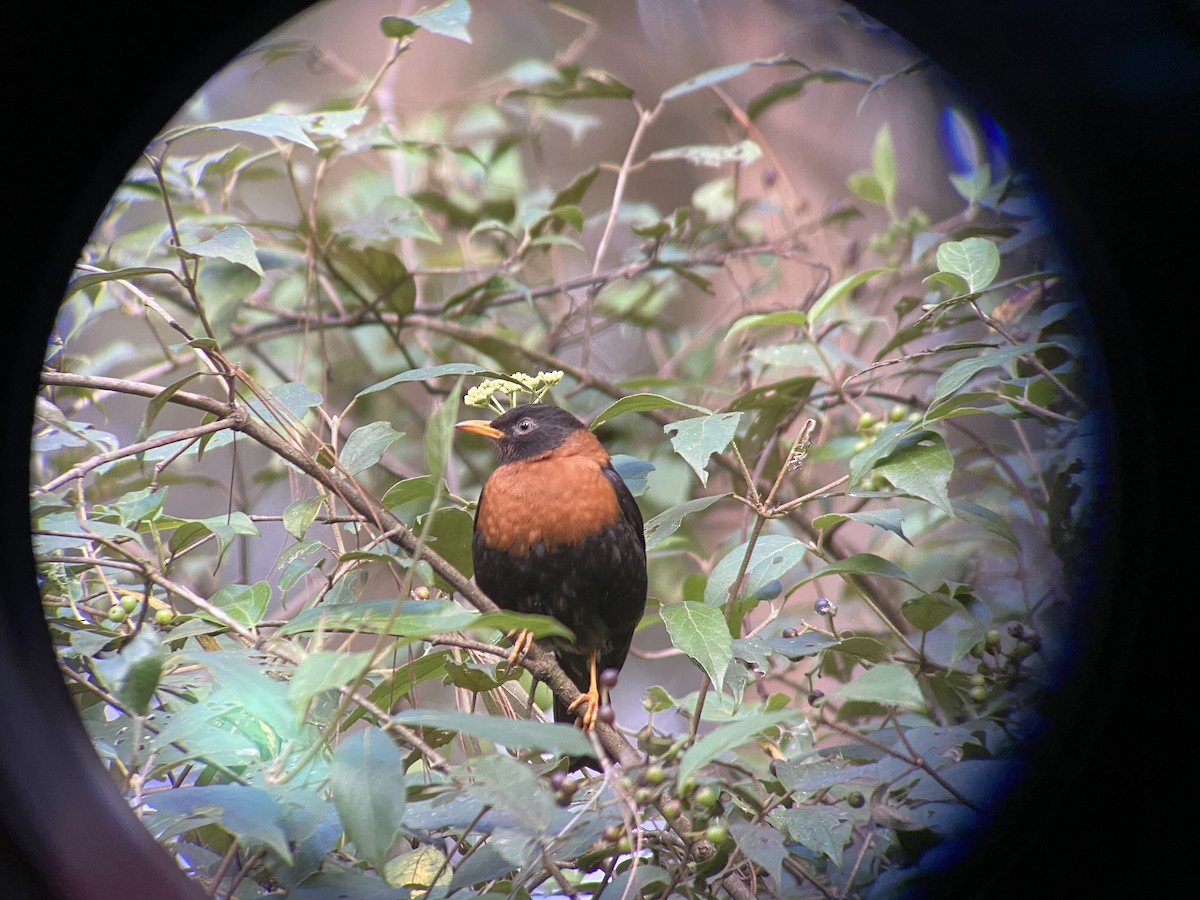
<point>525,426</point>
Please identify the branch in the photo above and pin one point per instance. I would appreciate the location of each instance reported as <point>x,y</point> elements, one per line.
<point>540,663</point>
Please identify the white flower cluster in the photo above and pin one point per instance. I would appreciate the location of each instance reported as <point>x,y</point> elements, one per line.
<point>484,393</point>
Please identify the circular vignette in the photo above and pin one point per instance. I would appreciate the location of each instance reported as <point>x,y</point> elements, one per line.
<point>88,90</point>
<point>1093,106</point>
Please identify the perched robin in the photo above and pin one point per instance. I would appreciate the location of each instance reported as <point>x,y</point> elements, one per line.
<point>557,532</point>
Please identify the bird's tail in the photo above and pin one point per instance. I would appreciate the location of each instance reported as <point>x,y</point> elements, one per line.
<point>576,668</point>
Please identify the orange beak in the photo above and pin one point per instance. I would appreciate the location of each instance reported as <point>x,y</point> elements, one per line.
<point>482,428</point>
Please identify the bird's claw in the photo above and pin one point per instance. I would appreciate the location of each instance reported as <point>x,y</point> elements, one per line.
<point>521,644</point>
<point>590,700</point>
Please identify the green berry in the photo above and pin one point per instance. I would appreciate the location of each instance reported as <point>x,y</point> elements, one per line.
<point>865,421</point>
<point>992,638</point>
<point>979,693</point>
<point>897,412</point>
<point>706,797</point>
<point>717,832</point>
<point>978,680</point>
<point>654,775</point>
<point>163,617</point>
<point>129,604</point>
<point>117,614</point>
<point>856,799</point>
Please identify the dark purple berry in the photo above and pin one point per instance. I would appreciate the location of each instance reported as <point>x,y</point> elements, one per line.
<point>823,606</point>
<point>608,678</point>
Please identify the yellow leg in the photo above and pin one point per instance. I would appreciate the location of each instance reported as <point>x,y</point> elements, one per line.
<point>589,699</point>
<point>521,644</point>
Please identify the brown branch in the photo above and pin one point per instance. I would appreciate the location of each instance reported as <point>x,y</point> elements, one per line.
<point>540,663</point>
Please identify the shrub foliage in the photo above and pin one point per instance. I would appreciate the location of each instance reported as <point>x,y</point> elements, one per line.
<point>863,480</point>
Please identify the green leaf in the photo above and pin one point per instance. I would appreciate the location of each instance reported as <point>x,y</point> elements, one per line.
<point>887,519</point>
<point>270,125</point>
<point>392,218</point>
<point>745,151</point>
<point>867,186</point>
<point>885,442</point>
<point>809,643</point>
<point>702,633</point>
<point>226,528</point>
<point>641,403</point>
<point>294,397</point>
<point>248,813</point>
<point>450,19</point>
<point>426,374</point>
<point>728,737</point>
<point>449,534</point>
<point>324,670</point>
<point>366,779</point>
<point>773,556</point>
<point>883,164</point>
<point>965,369</point>
<point>233,244</point>
<point>762,844</point>
<point>976,260</point>
<point>957,284</point>
<point>699,438</point>
<point>413,619</point>
<point>439,432</point>
<point>83,282</point>
<point>786,90</point>
<point>719,75</point>
<point>985,519</point>
<point>667,522</point>
<point>889,684</point>
<point>929,610</point>
<point>246,604</point>
<point>547,737</point>
<point>633,471</point>
<point>366,446</point>
<point>786,317</point>
<point>825,829</point>
<point>416,619</point>
<point>262,700</point>
<point>410,490</point>
<point>835,292</point>
<point>132,673</point>
<point>158,401</point>
<point>299,515</point>
<point>922,468</point>
<point>574,192</point>
<point>861,564</point>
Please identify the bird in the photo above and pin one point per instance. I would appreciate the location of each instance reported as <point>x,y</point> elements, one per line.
<point>558,532</point>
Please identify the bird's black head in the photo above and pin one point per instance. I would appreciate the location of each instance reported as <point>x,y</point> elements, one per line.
<point>526,432</point>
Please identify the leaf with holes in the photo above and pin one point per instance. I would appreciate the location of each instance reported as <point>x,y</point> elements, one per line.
<point>698,439</point>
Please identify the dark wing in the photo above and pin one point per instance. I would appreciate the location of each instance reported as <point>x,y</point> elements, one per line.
<point>630,606</point>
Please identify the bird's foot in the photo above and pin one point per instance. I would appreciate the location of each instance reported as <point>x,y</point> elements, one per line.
<point>521,644</point>
<point>590,701</point>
